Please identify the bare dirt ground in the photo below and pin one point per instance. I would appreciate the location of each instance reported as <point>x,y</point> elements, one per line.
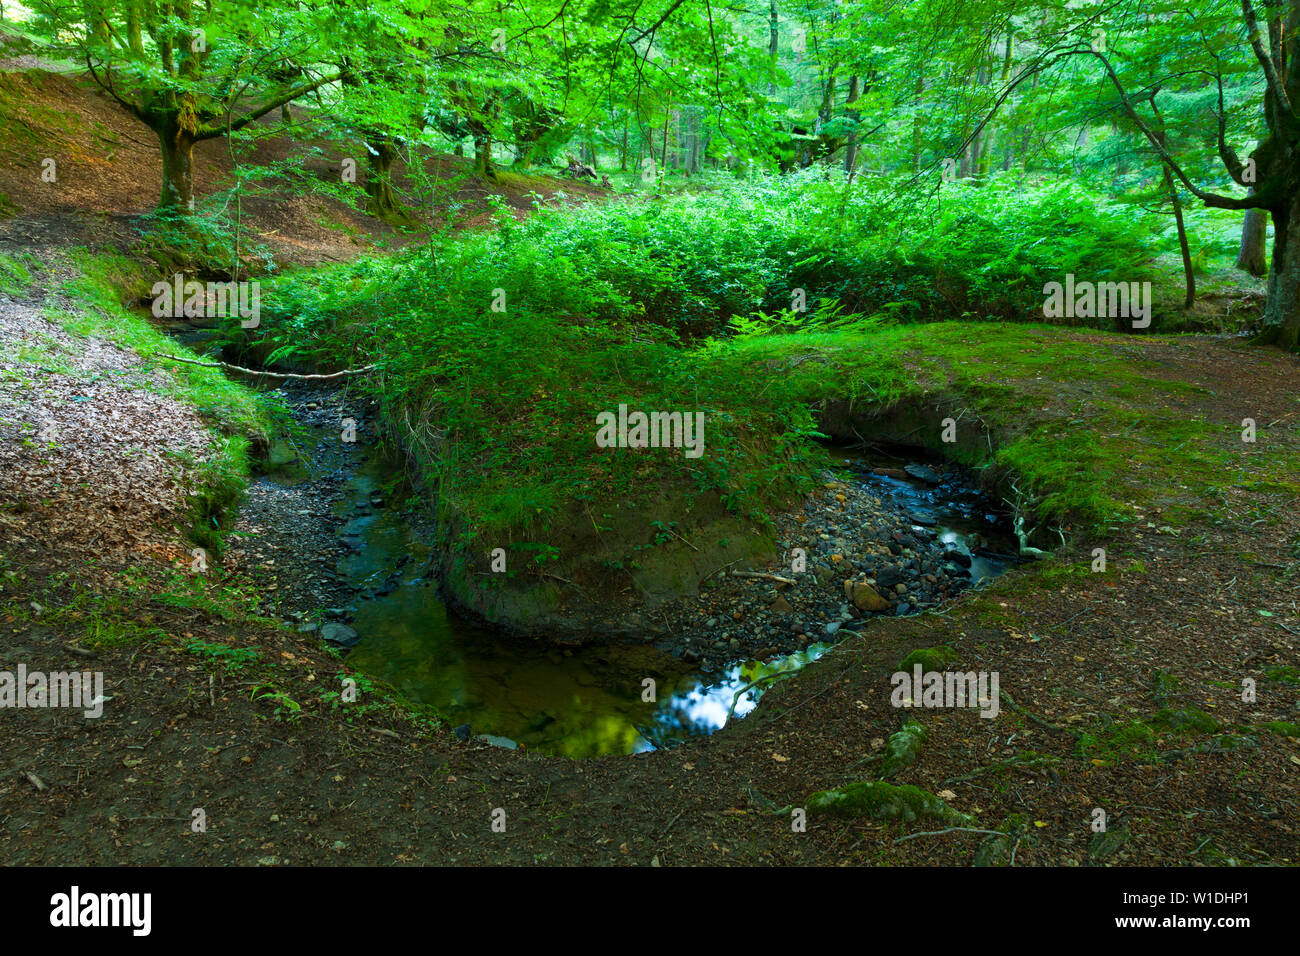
<point>107,170</point>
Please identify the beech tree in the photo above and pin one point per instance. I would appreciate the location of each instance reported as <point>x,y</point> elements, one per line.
<point>1271,173</point>
<point>1222,64</point>
<point>193,71</point>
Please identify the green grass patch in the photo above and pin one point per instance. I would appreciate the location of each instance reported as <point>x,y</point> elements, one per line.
<point>15,270</point>
<point>1285,674</point>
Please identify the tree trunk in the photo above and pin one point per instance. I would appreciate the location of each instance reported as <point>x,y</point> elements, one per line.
<point>663,157</point>
<point>851,150</point>
<point>483,154</point>
<point>773,41</point>
<point>1189,276</point>
<point>381,202</point>
<point>177,168</point>
<point>1251,255</point>
<point>918,123</point>
<point>1282,311</point>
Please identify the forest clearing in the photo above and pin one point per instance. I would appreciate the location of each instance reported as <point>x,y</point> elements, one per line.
<point>552,433</point>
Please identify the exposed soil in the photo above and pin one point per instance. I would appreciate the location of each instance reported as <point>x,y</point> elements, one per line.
<point>109,173</point>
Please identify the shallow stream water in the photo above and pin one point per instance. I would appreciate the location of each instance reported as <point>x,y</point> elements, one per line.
<point>579,702</point>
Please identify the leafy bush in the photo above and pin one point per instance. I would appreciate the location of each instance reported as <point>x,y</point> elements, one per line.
<point>497,349</point>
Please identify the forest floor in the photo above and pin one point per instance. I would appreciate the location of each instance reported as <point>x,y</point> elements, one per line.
<point>1126,685</point>
<point>1124,688</point>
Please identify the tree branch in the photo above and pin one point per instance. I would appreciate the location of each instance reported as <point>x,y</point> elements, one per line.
<point>1259,200</point>
<point>1275,84</point>
<point>211,132</point>
<point>252,371</point>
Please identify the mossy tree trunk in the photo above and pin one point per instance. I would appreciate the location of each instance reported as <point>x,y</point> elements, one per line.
<point>380,200</point>
<point>1251,257</point>
<point>177,145</point>
<point>1282,311</point>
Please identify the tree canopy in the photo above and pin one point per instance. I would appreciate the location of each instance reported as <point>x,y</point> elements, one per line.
<point>1169,103</point>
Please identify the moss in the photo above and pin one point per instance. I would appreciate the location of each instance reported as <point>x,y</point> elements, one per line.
<point>1117,742</point>
<point>1108,842</point>
<point>930,658</point>
<point>1186,720</point>
<point>996,850</point>
<point>1280,727</point>
<point>1285,674</point>
<point>883,801</point>
<point>904,747</point>
<point>1228,742</point>
<point>1162,685</point>
<point>217,486</point>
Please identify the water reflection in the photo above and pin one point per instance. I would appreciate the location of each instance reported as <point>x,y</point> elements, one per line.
<point>705,708</point>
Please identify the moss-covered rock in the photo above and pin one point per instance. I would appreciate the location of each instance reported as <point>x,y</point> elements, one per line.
<point>1163,685</point>
<point>1112,742</point>
<point>903,748</point>
<point>930,658</point>
<point>1286,674</point>
<point>996,850</point>
<point>1187,720</point>
<point>865,597</point>
<point>884,801</point>
<point>1107,843</point>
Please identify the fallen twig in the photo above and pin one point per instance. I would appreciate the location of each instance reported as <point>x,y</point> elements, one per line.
<point>764,575</point>
<point>716,570</point>
<point>913,836</point>
<point>259,372</point>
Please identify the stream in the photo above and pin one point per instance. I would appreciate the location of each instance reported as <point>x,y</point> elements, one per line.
<point>577,702</point>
